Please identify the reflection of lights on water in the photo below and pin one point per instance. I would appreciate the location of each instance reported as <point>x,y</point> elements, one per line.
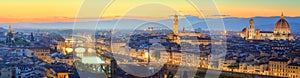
<point>80,50</point>
<point>92,60</point>
<point>91,50</point>
<point>79,41</point>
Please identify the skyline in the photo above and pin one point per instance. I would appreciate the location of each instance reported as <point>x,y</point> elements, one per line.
<point>231,24</point>
<point>149,39</point>
<point>16,11</point>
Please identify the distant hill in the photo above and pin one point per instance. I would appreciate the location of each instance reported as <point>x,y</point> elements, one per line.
<point>2,29</point>
<point>231,23</point>
<point>262,23</point>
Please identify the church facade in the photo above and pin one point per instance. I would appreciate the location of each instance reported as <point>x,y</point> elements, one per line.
<point>281,31</point>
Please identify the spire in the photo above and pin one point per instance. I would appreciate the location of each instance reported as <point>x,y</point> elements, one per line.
<point>282,16</point>
<point>251,23</point>
<point>9,28</point>
<point>31,37</point>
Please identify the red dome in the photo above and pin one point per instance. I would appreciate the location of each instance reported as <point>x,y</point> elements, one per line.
<point>282,30</point>
<point>282,26</point>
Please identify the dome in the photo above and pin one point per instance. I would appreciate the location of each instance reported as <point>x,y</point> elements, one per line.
<point>251,20</point>
<point>282,26</point>
<point>282,30</point>
<point>244,30</point>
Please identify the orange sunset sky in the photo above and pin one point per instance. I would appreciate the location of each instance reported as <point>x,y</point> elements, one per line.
<point>14,11</point>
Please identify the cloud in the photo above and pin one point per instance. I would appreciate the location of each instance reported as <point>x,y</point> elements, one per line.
<point>67,19</point>
<point>220,15</point>
<point>36,20</point>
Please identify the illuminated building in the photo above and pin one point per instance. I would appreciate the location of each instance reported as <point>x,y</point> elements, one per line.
<point>117,45</point>
<point>281,31</point>
<point>294,70</point>
<point>185,36</point>
<point>229,63</point>
<point>63,75</point>
<point>66,59</point>
<point>278,67</point>
<point>251,30</point>
<point>176,57</point>
<point>42,53</point>
<point>61,45</point>
<point>261,68</point>
<point>203,62</point>
<point>57,72</point>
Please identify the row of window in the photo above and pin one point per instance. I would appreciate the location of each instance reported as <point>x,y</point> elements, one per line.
<point>293,67</point>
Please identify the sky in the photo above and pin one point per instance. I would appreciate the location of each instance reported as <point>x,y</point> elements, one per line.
<point>15,11</point>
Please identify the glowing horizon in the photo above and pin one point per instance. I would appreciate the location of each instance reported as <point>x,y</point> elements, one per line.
<point>14,11</point>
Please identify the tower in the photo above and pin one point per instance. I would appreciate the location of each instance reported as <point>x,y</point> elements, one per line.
<point>247,32</point>
<point>174,36</point>
<point>282,16</point>
<point>252,32</point>
<point>31,37</point>
<point>257,37</point>
<point>175,23</point>
<point>9,36</point>
<point>9,29</point>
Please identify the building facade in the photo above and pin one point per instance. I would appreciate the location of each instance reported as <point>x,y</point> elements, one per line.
<point>42,53</point>
<point>278,67</point>
<point>281,31</point>
<point>294,70</point>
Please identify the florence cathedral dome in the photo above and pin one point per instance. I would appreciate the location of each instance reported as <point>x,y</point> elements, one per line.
<point>282,29</point>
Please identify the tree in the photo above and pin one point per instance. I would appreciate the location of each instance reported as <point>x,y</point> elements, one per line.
<point>105,70</point>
